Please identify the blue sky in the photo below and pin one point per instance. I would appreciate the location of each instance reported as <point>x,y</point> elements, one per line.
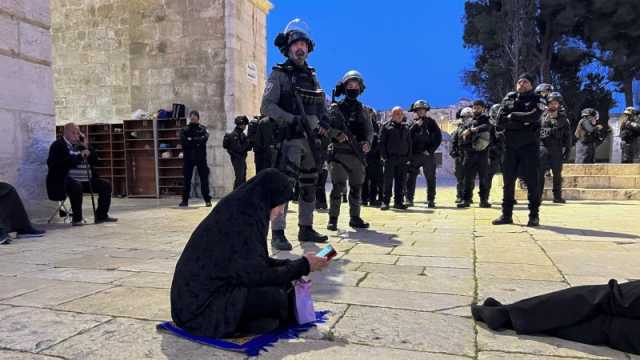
<point>406,50</point>
<point>409,51</point>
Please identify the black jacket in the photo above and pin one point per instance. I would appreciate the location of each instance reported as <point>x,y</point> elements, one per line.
<point>520,117</point>
<point>60,161</point>
<point>555,132</point>
<point>227,255</point>
<point>194,141</point>
<point>425,137</point>
<point>237,143</point>
<point>480,124</point>
<point>395,140</point>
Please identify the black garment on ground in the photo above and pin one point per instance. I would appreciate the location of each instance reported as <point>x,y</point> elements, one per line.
<point>226,262</point>
<point>597,315</point>
<point>13,216</point>
<point>194,143</point>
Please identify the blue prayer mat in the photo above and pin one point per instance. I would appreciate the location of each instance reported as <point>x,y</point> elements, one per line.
<point>250,345</point>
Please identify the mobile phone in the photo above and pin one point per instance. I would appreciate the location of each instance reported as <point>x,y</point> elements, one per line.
<point>327,252</point>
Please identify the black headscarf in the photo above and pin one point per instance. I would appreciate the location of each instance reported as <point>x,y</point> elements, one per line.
<point>227,254</point>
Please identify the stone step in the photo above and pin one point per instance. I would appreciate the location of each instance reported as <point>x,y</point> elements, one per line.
<point>601,169</point>
<point>597,181</point>
<point>587,194</point>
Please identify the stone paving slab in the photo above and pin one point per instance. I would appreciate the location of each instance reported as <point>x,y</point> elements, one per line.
<point>83,275</point>
<point>29,329</point>
<point>125,301</point>
<point>15,355</point>
<point>421,283</point>
<point>396,299</point>
<point>321,350</point>
<point>508,341</point>
<point>510,290</point>
<point>134,339</point>
<point>146,280</point>
<point>55,293</point>
<point>445,334</point>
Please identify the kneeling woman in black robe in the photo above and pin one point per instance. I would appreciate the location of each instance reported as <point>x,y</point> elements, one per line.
<point>225,282</point>
<point>596,315</point>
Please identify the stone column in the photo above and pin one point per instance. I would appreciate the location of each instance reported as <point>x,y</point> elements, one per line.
<point>27,123</point>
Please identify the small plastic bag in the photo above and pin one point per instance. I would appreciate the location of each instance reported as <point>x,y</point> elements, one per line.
<point>305,312</point>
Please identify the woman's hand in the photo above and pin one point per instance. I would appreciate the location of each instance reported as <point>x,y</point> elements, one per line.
<point>316,263</point>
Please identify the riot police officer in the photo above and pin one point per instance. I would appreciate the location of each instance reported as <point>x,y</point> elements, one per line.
<point>426,138</point>
<point>555,144</point>
<point>351,136</point>
<point>630,136</point>
<point>519,116</point>
<point>237,145</point>
<point>590,135</point>
<point>476,138</point>
<point>294,99</point>
<point>194,144</point>
<point>465,115</point>
<point>496,147</point>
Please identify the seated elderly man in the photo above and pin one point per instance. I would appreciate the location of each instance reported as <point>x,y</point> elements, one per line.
<point>13,216</point>
<point>70,175</point>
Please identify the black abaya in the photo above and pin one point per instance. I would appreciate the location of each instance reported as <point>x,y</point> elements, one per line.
<point>225,276</point>
<point>597,315</point>
<point>13,216</point>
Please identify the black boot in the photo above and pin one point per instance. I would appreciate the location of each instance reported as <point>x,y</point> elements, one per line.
<point>307,234</point>
<point>485,204</point>
<point>400,206</point>
<point>409,203</point>
<point>464,204</point>
<point>559,200</point>
<point>279,241</point>
<point>534,221</point>
<point>431,204</point>
<point>503,220</point>
<point>385,206</point>
<point>357,223</point>
<point>333,223</point>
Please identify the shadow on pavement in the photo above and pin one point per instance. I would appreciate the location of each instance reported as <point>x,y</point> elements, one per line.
<point>586,232</point>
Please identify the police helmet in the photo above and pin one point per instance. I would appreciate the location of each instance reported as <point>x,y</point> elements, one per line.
<point>630,111</point>
<point>466,113</point>
<point>555,96</point>
<point>295,30</point>
<point>420,104</point>
<point>544,87</point>
<point>241,120</point>
<point>589,112</point>
<point>353,75</point>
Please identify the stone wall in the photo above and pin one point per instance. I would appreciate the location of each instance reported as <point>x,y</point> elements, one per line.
<point>113,57</point>
<point>26,99</point>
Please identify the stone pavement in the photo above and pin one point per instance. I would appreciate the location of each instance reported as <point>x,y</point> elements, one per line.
<point>399,291</point>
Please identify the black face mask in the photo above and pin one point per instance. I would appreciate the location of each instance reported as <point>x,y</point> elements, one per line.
<point>352,93</point>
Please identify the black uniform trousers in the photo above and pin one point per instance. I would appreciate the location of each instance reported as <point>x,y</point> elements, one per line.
<point>395,170</point>
<point>203,174</point>
<point>551,159</point>
<point>597,315</point>
<point>240,170</point>
<point>372,189</point>
<point>525,158</point>
<point>495,166</point>
<point>476,162</point>
<point>263,159</point>
<point>428,165</point>
<point>585,152</point>
<point>74,190</point>
<point>321,191</point>
<point>459,173</point>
